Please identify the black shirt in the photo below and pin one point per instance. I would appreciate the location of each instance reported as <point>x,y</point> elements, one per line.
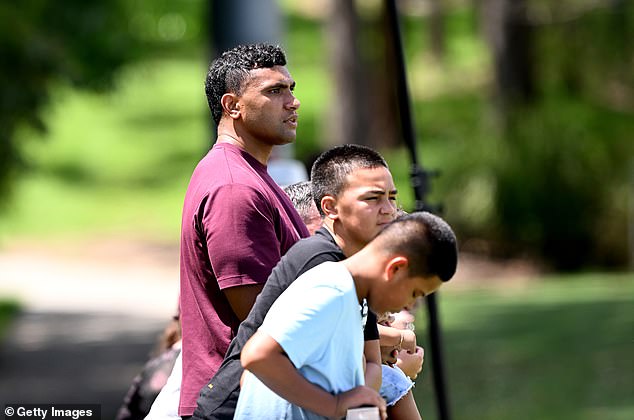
<point>218,399</point>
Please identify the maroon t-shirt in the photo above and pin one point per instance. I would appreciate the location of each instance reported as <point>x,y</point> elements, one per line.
<point>237,223</point>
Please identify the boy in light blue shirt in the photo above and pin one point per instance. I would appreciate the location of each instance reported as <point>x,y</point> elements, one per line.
<point>306,360</point>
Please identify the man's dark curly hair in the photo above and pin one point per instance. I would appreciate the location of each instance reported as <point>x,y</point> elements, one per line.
<point>228,72</point>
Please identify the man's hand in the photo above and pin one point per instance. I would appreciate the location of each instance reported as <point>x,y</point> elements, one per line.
<point>358,397</point>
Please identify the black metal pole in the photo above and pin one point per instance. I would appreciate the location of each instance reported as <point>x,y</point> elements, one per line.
<point>420,183</point>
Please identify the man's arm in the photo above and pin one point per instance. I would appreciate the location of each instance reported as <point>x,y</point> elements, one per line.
<point>373,373</point>
<point>242,298</point>
<point>242,243</point>
<point>265,358</point>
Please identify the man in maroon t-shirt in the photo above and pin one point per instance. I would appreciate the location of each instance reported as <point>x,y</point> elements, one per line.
<point>237,223</point>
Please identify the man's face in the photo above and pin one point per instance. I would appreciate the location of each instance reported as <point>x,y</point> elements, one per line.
<point>268,107</point>
<point>365,205</point>
<point>312,220</point>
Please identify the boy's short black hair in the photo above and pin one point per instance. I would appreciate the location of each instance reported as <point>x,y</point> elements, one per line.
<point>426,240</point>
<point>228,72</point>
<point>329,171</point>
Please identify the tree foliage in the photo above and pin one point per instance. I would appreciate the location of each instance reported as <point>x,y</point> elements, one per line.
<point>79,42</point>
<point>557,165</point>
<point>570,150</point>
<point>536,158</point>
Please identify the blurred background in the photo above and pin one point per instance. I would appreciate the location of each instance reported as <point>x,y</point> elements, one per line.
<point>524,107</point>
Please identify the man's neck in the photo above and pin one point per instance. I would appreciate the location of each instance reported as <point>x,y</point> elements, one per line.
<point>347,247</point>
<point>259,150</point>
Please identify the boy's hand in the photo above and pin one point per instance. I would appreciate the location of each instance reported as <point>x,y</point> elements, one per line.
<point>411,363</point>
<point>358,397</point>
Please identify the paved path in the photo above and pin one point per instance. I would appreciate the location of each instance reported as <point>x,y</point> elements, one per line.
<point>89,321</point>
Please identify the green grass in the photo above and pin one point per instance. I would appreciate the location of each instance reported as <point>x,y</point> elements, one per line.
<point>561,348</point>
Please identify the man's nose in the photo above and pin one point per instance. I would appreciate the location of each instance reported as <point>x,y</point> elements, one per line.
<point>388,207</point>
<point>294,102</point>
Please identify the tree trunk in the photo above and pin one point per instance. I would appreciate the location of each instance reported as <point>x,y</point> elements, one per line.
<point>386,129</point>
<point>437,29</point>
<point>510,38</point>
<point>243,22</point>
<point>347,121</point>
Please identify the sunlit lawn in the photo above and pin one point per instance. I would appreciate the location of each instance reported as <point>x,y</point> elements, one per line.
<point>560,348</point>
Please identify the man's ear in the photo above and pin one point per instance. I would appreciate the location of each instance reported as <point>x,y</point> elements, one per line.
<point>329,207</point>
<point>395,265</point>
<point>230,105</point>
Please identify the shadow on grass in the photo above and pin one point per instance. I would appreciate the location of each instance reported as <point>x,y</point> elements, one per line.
<point>535,361</point>
<point>9,309</point>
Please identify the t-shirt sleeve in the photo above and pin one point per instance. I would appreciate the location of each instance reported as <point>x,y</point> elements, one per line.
<point>283,275</point>
<point>303,325</point>
<point>371,331</point>
<point>240,227</point>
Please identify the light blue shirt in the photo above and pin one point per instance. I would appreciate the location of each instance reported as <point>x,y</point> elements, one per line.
<point>318,324</point>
